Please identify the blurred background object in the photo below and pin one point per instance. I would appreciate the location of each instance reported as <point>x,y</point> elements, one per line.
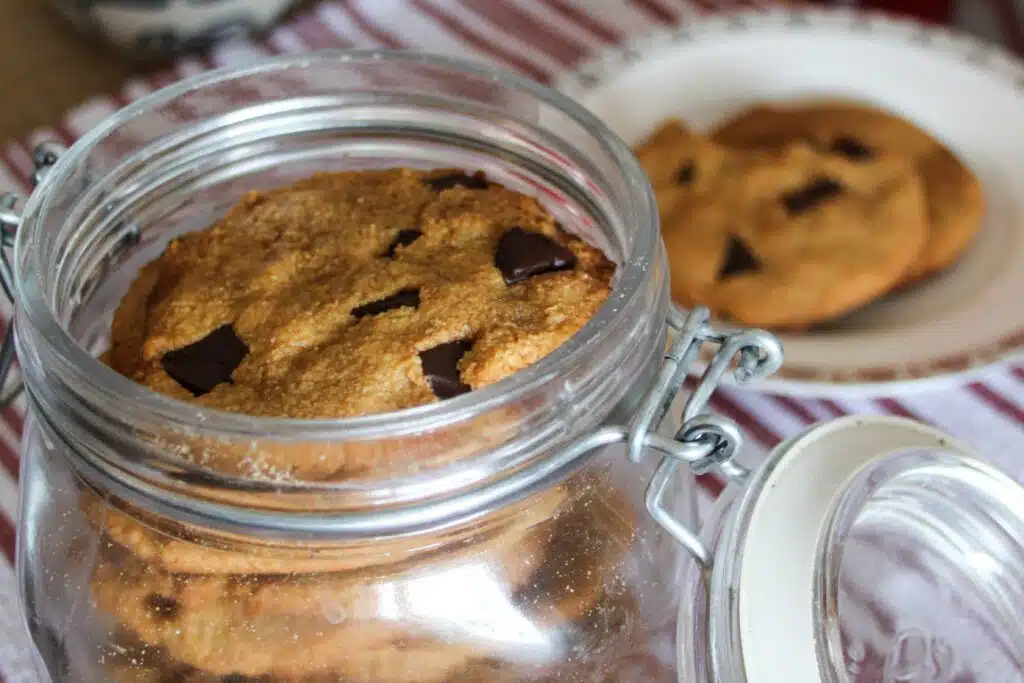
<point>156,28</point>
<point>48,66</point>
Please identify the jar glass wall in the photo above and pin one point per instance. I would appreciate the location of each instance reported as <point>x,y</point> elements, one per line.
<point>453,541</point>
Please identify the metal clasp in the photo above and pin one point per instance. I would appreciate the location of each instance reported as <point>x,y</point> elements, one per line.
<point>43,158</point>
<point>704,442</point>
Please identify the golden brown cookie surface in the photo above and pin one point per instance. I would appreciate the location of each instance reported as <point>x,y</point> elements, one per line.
<point>783,238</point>
<point>356,293</point>
<point>955,199</point>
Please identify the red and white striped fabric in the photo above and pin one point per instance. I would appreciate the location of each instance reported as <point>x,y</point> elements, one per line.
<point>541,38</point>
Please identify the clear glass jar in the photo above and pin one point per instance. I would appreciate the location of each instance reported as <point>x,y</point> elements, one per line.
<point>866,550</point>
<point>495,536</point>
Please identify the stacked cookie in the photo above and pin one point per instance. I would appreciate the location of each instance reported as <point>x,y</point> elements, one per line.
<point>789,217</point>
<point>512,601</point>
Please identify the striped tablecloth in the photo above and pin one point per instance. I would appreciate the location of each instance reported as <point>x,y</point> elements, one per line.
<point>541,38</point>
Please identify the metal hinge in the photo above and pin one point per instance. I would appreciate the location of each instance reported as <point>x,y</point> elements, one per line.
<point>704,442</point>
<point>44,157</point>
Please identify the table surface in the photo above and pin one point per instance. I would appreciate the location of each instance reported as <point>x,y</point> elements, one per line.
<point>45,68</point>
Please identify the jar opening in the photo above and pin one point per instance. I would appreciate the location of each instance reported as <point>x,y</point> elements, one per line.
<point>173,161</point>
<point>634,257</point>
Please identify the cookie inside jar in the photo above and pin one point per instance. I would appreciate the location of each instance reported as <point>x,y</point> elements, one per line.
<point>347,295</point>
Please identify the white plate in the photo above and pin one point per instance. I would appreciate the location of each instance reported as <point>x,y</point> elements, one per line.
<point>969,95</point>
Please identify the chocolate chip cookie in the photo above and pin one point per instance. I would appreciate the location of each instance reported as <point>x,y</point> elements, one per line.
<point>955,199</point>
<point>384,624</point>
<point>357,293</point>
<point>350,294</point>
<point>362,625</point>
<point>783,238</point>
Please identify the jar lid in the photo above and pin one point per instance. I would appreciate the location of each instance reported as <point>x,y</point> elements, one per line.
<point>878,549</point>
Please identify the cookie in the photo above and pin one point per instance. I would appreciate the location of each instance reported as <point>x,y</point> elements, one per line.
<point>377,625</point>
<point>356,293</point>
<point>179,549</point>
<point>596,645</point>
<point>956,203</point>
<point>139,663</point>
<point>680,164</point>
<point>785,238</point>
<point>369,626</point>
<point>350,294</point>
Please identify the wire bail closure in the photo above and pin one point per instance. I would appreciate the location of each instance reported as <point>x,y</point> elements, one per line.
<point>44,157</point>
<point>704,442</point>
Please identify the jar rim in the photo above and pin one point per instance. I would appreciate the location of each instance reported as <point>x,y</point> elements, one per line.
<point>630,276</point>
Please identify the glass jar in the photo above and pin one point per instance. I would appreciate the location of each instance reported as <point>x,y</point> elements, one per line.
<point>502,535</point>
<point>866,550</point>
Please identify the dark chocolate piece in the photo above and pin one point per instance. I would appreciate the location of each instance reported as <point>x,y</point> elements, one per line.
<point>403,239</point>
<point>852,148</point>
<point>814,194</point>
<point>405,297</point>
<point>687,173</point>
<point>163,606</point>
<point>522,254</point>
<point>441,368</point>
<point>477,181</point>
<point>201,366</point>
<point>738,260</point>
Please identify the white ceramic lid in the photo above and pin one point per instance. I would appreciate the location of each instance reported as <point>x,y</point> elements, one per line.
<point>878,549</point>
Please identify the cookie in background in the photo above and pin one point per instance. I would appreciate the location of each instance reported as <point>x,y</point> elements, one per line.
<point>955,201</point>
<point>785,237</point>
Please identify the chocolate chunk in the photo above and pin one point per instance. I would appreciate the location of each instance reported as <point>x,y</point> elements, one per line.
<point>441,368</point>
<point>738,260</point>
<point>405,297</point>
<point>403,239</point>
<point>162,606</point>
<point>201,366</point>
<point>852,148</point>
<point>806,198</point>
<point>522,254</point>
<point>477,181</point>
<point>687,173</point>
